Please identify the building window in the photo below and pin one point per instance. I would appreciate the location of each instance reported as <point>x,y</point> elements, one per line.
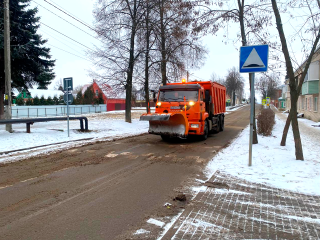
<point>315,106</point>
<point>97,93</point>
<point>302,104</point>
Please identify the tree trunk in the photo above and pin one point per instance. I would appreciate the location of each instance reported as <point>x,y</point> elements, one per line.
<point>163,45</point>
<point>146,82</point>
<point>285,130</point>
<point>130,68</point>
<point>294,89</point>
<point>255,134</point>
<point>295,128</point>
<point>304,73</point>
<point>1,104</point>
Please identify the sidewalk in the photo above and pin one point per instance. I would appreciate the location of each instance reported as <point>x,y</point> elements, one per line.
<point>234,208</point>
<point>248,211</point>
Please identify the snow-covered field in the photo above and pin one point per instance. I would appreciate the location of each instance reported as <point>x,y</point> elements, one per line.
<point>271,163</point>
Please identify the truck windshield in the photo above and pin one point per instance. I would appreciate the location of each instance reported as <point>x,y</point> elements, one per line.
<point>178,95</point>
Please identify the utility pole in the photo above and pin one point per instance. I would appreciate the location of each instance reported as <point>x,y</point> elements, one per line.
<point>7,63</point>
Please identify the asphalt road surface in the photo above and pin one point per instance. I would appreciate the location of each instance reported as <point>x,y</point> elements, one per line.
<point>106,190</point>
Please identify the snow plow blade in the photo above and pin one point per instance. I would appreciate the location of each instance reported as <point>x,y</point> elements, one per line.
<point>169,124</point>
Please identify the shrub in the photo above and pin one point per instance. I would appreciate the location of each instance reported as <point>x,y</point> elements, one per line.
<point>265,122</point>
<point>20,102</point>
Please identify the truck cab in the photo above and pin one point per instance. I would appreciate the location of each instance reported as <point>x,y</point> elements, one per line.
<point>186,99</point>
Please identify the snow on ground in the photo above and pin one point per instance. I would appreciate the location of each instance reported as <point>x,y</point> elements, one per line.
<point>103,126</point>
<point>235,108</point>
<point>271,163</point>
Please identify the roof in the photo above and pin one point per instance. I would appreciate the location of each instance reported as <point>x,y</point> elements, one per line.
<point>109,92</point>
<point>41,92</point>
<point>316,52</point>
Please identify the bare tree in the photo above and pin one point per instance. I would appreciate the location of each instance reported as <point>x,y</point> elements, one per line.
<point>215,78</point>
<point>117,23</point>
<point>58,84</point>
<point>268,85</point>
<point>179,48</point>
<point>295,84</point>
<point>234,84</point>
<point>252,19</point>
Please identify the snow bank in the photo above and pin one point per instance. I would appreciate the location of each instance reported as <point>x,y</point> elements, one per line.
<point>273,164</point>
<point>102,127</point>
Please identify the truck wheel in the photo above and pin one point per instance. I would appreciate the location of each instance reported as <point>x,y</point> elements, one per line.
<point>221,123</point>
<point>205,131</point>
<point>216,129</point>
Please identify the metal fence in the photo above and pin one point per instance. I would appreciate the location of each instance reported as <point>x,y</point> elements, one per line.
<point>55,110</point>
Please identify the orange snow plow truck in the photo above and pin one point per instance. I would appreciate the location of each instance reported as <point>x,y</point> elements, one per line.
<point>188,108</point>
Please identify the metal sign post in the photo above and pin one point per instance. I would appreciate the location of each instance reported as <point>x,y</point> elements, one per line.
<point>251,118</point>
<point>68,113</point>
<point>68,98</point>
<point>253,59</point>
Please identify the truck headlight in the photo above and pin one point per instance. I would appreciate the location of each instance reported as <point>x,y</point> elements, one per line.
<point>194,126</point>
<point>191,103</point>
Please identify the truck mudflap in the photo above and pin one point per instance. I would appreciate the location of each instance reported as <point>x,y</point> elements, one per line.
<point>169,124</point>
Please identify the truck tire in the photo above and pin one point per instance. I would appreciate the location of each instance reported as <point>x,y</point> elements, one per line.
<point>221,123</point>
<point>205,131</point>
<point>216,129</point>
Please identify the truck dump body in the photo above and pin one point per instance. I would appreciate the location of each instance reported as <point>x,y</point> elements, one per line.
<point>183,109</point>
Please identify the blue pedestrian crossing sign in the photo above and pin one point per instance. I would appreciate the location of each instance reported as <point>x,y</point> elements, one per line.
<point>254,58</point>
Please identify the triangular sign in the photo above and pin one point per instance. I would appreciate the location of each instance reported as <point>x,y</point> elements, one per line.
<point>253,61</point>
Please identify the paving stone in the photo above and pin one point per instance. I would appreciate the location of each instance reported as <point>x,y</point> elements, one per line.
<point>248,211</point>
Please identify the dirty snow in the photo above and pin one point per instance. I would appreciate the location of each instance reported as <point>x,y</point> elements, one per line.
<point>271,163</point>
<point>102,126</point>
<point>156,222</point>
<point>141,231</point>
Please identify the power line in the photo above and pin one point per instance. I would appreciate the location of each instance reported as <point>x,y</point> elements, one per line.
<point>97,64</point>
<point>57,39</point>
<point>69,12</point>
<point>67,52</point>
<point>65,20</point>
<point>71,16</point>
<point>66,36</point>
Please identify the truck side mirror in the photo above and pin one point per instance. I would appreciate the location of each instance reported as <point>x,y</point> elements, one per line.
<point>154,97</point>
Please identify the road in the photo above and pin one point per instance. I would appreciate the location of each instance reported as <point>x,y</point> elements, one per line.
<point>106,190</point>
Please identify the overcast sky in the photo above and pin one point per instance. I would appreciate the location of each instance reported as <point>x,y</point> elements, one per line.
<point>71,59</point>
<point>221,57</point>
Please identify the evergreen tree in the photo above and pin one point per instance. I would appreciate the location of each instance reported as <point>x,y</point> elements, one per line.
<point>61,101</point>
<point>100,98</point>
<point>55,100</point>
<point>20,102</point>
<point>79,97</point>
<point>50,101</point>
<point>88,96</point>
<point>30,60</point>
<point>36,100</point>
<point>43,101</point>
<point>29,102</point>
